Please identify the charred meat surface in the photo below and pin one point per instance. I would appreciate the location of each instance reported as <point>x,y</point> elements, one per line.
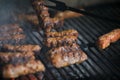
<point>40,9</point>
<point>58,41</point>
<point>11,32</point>
<point>46,23</point>
<point>22,48</point>
<point>13,71</point>
<point>13,37</point>
<point>70,32</point>
<point>9,27</point>
<point>38,5</point>
<point>31,76</point>
<point>111,37</point>
<point>15,57</point>
<point>66,55</point>
<point>32,18</point>
<point>57,22</point>
<point>18,60</point>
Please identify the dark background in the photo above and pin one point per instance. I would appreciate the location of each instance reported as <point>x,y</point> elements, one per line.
<point>9,8</point>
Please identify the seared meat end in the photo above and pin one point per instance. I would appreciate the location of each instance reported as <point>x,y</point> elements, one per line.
<point>46,23</point>
<point>105,40</point>
<point>9,27</point>
<point>15,37</point>
<point>11,32</point>
<point>70,32</point>
<point>15,57</point>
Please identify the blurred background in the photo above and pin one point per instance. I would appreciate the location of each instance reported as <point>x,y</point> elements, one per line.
<point>84,3</point>
<point>9,8</point>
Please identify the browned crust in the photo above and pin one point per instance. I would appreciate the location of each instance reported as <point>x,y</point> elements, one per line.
<point>8,27</point>
<point>70,32</point>
<point>43,15</point>
<point>46,23</point>
<point>22,48</point>
<point>105,40</point>
<point>66,55</point>
<point>58,41</point>
<point>59,17</point>
<point>13,71</point>
<point>15,57</point>
<point>11,32</point>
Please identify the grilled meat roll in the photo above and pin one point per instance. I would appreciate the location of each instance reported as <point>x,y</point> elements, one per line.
<point>45,21</point>
<point>15,57</point>
<point>42,13</point>
<point>11,32</point>
<point>15,37</point>
<point>70,32</point>
<point>9,27</point>
<point>22,48</point>
<point>66,55</point>
<point>58,41</point>
<point>39,6</point>
<point>13,71</point>
<point>57,22</point>
<point>105,40</point>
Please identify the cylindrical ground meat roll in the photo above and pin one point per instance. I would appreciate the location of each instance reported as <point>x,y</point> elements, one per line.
<point>66,55</point>
<point>105,40</point>
<point>13,71</point>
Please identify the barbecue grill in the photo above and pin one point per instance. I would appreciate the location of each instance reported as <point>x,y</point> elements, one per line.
<point>100,65</point>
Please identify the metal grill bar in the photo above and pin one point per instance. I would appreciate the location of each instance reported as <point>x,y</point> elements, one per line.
<point>89,29</point>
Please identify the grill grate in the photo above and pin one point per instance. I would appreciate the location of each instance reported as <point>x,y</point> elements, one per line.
<point>101,64</point>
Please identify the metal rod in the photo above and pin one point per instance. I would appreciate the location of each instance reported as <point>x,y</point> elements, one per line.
<point>93,15</point>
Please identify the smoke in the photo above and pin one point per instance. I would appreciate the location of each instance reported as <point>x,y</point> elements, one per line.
<point>10,8</point>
